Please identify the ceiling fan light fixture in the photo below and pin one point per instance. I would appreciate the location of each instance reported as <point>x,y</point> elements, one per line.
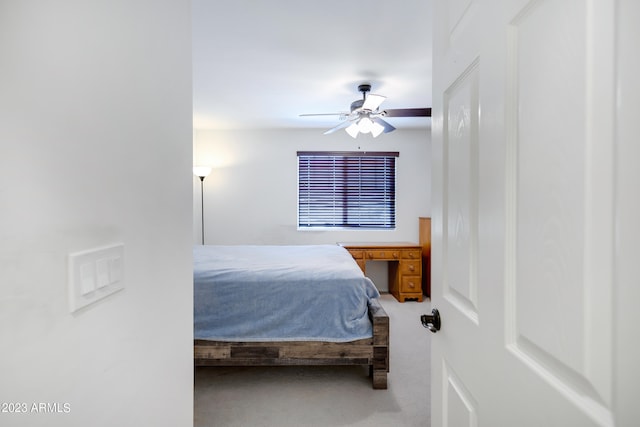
<point>376,129</point>
<point>365,124</point>
<point>353,130</point>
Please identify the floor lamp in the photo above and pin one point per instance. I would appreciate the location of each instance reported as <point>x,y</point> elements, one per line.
<point>202,172</point>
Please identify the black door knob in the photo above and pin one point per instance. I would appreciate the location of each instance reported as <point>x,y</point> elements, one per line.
<point>431,321</point>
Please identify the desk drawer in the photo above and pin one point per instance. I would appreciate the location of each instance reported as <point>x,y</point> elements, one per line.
<point>383,254</point>
<point>412,254</point>
<point>408,267</point>
<point>357,253</point>
<point>411,284</point>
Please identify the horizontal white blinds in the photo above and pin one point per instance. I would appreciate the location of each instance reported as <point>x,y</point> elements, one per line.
<point>347,189</point>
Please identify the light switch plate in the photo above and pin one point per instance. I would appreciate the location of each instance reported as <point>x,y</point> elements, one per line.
<point>95,274</point>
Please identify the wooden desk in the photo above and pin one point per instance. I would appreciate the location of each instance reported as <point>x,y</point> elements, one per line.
<point>405,265</point>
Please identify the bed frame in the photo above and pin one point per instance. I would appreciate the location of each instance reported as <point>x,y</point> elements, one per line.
<point>373,352</point>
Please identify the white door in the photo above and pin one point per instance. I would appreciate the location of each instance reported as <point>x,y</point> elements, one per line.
<point>535,213</point>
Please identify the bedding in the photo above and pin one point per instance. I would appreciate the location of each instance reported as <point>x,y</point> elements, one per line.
<point>262,293</point>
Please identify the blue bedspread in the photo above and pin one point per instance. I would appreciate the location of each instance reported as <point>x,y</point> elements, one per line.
<point>280,293</point>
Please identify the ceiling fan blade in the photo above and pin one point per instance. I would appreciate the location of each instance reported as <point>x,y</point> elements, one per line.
<point>323,114</point>
<point>340,126</point>
<point>372,102</point>
<point>387,126</point>
<point>408,112</point>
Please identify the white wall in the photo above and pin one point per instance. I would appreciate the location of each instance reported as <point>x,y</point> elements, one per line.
<point>95,143</point>
<point>251,195</point>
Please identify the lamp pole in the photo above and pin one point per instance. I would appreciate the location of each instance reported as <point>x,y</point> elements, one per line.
<point>202,172</point>
<point>202,205</point>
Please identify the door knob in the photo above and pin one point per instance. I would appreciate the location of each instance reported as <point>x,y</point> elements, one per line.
<point>431,321</point>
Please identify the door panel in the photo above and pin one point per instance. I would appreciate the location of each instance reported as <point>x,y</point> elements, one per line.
<point>554,229</point>
<point>460,217</point>
<point>460,408</point>
<point>458,14</point>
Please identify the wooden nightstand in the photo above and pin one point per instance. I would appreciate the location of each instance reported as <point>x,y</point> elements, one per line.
<point>405,265</point>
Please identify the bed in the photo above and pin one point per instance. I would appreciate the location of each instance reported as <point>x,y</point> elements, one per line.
<point>264,305</point>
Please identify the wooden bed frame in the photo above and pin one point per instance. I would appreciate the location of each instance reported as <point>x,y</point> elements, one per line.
<point>373,352</point>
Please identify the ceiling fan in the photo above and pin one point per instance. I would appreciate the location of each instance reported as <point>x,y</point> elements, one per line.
<point>366,117</point>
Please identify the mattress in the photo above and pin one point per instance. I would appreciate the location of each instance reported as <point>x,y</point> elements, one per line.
<point>261,293</point>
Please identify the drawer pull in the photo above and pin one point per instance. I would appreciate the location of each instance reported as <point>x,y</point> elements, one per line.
<point>411,285</point>
<point>412,267</point>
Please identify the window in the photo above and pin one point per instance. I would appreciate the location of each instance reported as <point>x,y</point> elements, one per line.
<point>347,189</point>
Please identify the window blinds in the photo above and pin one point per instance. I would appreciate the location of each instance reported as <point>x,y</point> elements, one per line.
<point>347,189</point>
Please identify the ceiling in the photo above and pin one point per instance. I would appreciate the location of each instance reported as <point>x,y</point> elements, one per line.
<point>260,64</point>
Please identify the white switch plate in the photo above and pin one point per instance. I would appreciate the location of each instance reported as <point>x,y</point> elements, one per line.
<point>95,274</point>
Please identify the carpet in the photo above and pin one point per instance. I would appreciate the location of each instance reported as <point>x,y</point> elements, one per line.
<point>325,396</point>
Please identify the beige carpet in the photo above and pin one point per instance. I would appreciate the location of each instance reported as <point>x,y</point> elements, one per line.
<point>325,396</point>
